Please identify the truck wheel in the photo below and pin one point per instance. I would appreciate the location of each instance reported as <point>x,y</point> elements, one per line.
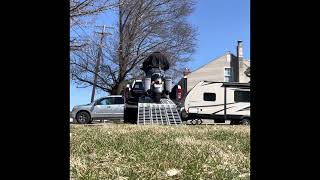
<point>130,116</point>
<point>83,117</point>
<point>126,116</point>
<point>245,121</point>
<point>133,115</point>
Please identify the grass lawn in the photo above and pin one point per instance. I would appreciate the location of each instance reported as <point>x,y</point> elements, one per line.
<point>121,151</point>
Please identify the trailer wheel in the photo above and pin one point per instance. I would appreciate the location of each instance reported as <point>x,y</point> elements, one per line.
<point>193,121</point>
<point>199,121</point>
<point>196,121</point>
<point>245,121</point>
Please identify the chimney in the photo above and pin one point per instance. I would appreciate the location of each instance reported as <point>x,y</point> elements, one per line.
<point>186,72</point>
<point>239,51</point>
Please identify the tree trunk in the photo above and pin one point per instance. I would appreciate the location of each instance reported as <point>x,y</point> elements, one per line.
<point>118,88</point>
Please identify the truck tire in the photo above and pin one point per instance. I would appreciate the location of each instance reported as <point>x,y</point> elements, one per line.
<point>130,115</point>
<point>126,116</point>
<point>83,117</point>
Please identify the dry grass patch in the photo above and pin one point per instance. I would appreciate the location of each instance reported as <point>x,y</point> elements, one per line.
<point>118,151</point>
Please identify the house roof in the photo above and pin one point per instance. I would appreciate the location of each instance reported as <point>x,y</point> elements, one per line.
<point>212,60</point>
<point>227,53</point>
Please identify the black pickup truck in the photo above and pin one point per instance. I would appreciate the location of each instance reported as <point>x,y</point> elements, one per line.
<point>132,93</point>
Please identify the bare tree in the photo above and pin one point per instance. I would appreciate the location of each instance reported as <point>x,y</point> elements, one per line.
<point>247,72</point>
<point>143,26</point>
<point>83,8</point>
<point>82,11</point>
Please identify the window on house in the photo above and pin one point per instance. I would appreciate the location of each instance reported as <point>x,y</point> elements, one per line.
<point>228,74</point>
<point>228,58</point>
<point>209,96</point>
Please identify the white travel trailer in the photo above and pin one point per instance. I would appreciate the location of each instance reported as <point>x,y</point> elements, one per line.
<point>219,101</point>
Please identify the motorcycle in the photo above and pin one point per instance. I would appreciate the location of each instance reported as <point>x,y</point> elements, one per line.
<point>157,86</point>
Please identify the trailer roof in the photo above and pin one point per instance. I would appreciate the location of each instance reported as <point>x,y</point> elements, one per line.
<point>236,84</point>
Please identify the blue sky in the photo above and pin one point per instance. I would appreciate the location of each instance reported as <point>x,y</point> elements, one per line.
<point>220,24</point>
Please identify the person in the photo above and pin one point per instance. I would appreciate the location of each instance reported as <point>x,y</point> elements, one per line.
<point>156,62</point>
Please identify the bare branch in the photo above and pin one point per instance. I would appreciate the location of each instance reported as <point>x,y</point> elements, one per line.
<point>144,26</point>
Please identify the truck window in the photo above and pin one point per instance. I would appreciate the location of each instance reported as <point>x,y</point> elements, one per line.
<point>138,85</point>
<point>209,96</point>
<point>242,96</point>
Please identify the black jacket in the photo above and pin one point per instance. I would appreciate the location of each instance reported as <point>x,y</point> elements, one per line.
<point>155,60</point>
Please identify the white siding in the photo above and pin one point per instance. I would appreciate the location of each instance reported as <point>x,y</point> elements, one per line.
<point>213,71</point>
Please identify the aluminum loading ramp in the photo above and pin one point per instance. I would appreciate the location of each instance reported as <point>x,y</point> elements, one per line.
<point>163,113</point>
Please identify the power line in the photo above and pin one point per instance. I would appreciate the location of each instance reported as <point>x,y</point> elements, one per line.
<point>88,37</point>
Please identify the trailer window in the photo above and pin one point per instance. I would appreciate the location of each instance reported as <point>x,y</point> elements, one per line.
<point>209,96</point>
<point>242,96</point>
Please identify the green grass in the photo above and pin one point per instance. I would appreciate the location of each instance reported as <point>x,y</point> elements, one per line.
<point>119,151</point>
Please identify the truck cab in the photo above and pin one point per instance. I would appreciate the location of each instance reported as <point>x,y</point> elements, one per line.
<point>133,91</point>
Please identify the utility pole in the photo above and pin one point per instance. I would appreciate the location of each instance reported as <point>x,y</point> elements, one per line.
<point>99,60</point>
